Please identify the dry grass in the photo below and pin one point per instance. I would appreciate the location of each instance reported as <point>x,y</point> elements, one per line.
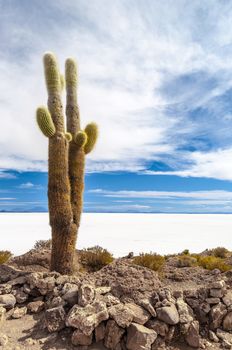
<point>186,261</point>
<point>152,261</point>
<point>5,255</point>
<point>94,258</point>
<point>212,262</point>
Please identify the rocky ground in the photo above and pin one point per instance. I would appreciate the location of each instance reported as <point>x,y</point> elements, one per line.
<point>122,306</point>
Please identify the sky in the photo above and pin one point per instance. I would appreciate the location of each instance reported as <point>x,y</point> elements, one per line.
<point>156,76</point>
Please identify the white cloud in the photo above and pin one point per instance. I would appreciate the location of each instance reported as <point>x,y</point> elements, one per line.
<point>126,52</point>
<point>200,195</point>
<point>30,185</point>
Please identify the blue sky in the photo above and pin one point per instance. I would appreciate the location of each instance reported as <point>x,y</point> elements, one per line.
<point>157,78</point>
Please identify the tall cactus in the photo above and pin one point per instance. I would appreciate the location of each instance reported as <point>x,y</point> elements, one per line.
<point>66,162</point>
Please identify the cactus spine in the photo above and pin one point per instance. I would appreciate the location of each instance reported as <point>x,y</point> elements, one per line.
<point>66,163</point>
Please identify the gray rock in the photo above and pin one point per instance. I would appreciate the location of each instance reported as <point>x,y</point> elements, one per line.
<point>113,334</point>
<point>100,332</point>
<point>184,310</point>
<point>35,306</point>
<point>8,301</point>
<point>140,337</point>
<point>79,338</point>
<point>160,327</point>
<point>55,319</point>
<point>217,314</point>
<point>216,293</point>
<point>213,301</point>
<point>102,290</point>
<point>19,312</point>
<point>5,288</point>
<point>145,303</point>
<point>17,280</point>
<point>141,316</point>
<point>225,336</point>
<point>86,294</point>
<point>87,318</point>
<point>168,314</point>
<point>227,322</point>
<point>192,336</point>
<point>227,299</point>
<point>218,284</point>
<point>71,296</point>
<point>21,297</point>
<point>213,337</point>
<point>122,315</point>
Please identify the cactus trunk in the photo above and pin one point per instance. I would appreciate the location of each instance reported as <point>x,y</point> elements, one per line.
<point>66,162</point>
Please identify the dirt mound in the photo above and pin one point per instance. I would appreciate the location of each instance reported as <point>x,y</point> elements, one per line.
<point>35,260</point>
<point>127,281</point>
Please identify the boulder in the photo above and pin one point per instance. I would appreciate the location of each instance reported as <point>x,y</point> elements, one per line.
<point>145,303</point>
<point>19,312</point>
<point>212,301</point>
<point>218,284</point>
<point>87,318</point>
<point>184,310</point>
<point>113,334</point>
<point>55,319</point>
<point>216,293</point>
<point>192,336</point>
<point>5,288</point>
<point>217,314</point>
<point>86,294</point>
<point>227,299</point>
<point>168,314</point>
<point>160,327</point>
<point>140,315</point>
<point>18,280</point>
<point>21,297</point>
<point>102,290</point>
<point>71,296</point>
<point>8,301</point>
<point>35,306</point>
<point>122,315</point>
<point>227,322</point>
<point>100,332</point>
<point>140,337</point>
<point>213,337</point>
<point>225,336</point>
<point>79,338</point>
<point>109,299</point>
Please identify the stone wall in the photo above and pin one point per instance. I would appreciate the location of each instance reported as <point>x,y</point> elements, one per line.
<point>94,314</point>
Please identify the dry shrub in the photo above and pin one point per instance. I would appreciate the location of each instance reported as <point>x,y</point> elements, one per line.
<point>186,261</point>
<point>220,252</point>
<point>94,258</point>
<point>5,255</point>
<point>212,262</point>
<point>152,261</point>
<point>43,244</point>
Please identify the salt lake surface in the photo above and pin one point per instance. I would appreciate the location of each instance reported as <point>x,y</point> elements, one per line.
<point>122,233</point>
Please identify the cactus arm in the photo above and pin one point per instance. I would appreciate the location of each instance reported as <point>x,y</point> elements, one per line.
<point>68,136</point>
<point>80,139</point>
<point>45,121</point>
<point>91,131</point>
<point>53,83</point>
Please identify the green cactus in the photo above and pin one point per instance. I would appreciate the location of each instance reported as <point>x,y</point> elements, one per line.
<point>92,134</point>
<point>80,139</point>
<point>68,136</point>
<point>45,121</point>
<point>66,162</point>
<point>62,82</point>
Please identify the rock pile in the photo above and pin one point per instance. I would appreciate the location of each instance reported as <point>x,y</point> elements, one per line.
<point>96,313</point>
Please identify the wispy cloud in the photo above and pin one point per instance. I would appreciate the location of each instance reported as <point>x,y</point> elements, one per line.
<point>201,195</point>
<point>30,185</point>
<point>159,88</point>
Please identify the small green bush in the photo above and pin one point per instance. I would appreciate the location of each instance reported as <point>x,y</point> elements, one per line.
<point>186,261</point>
<point>5,255</point>
<point>152,261</point>
<point>185,252</point>
<point>95,258</point>
<point>43,244</point>
<point>212,262</point>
